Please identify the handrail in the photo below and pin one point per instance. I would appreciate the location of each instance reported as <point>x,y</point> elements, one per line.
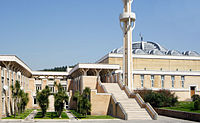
<point>121,107</point>
<point>100,84</point>
<point>148,107</point>
<point>123,110</point>
<point>151,109</point>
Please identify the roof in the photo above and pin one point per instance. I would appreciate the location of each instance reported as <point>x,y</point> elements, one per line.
<point>94,66</point>
<point>152,48</point>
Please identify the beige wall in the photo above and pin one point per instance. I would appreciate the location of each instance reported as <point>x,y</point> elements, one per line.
<point>182,92</point>
<point>89,81</point>
<point>157,64</point>
<point>99,103</point>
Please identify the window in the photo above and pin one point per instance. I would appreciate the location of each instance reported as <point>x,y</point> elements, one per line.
<point>142,80</point>
<point>152,80</point>
<point>162,80</point>
<point>172,78</point>
<point>51,88</point>
<point>64,88</point>
<point>34,100</point>
<point>3,103</point>
<point>182,81</point>
<point>38,87</point>
<point>8,75</point>
<point>2,72</point>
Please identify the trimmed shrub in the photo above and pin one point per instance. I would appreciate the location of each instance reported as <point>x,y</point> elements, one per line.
<point>143,92</point>
<point>195,97</point>
<point>161,98</point>
<point>197,105</point>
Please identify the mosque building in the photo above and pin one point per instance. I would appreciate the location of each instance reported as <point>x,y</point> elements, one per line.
<point>112,79</point>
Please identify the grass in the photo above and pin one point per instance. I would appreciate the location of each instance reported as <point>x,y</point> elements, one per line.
<point>79,116</point>
<point>183,106</point>
<point>51,115</point>
<point>20,116</point>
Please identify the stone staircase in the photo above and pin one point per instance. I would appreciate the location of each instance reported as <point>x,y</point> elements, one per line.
<point>130,105</point>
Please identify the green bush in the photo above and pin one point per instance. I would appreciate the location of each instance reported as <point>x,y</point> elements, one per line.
<point>195,97</point>
<point>143,92</point>
<point>161,98</point>
<point>197,105</point>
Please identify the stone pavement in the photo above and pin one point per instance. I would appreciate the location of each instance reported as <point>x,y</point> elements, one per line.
<point>31,116</point>
<point>70,115</point>
<point>161,119</point>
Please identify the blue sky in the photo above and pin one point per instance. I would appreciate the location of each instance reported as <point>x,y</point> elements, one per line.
<point>49,33</point>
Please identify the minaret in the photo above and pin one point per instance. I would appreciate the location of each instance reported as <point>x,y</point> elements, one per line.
<point>127,23</point>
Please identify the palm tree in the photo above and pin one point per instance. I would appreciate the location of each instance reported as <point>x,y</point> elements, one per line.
<point>15,95</point>
<point>76,97</point>
<point>42,99</point>
<point>60,97</point>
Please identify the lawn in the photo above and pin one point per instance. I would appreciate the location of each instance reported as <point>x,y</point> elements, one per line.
<point>20,116</point>
<point>51,115</point>
<point>79,116</point>
<point>183,106</point>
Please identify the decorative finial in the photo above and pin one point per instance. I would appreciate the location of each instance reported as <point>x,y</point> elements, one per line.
<point>141,37</point>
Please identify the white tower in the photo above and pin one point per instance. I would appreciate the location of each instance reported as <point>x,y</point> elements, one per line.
<point>127,23</point>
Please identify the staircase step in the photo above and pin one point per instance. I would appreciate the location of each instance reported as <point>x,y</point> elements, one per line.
<point>130,105</point>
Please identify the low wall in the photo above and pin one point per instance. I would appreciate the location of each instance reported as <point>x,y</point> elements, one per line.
<point>116,109</point>
<point>99,103</point>
<point>179,114</point>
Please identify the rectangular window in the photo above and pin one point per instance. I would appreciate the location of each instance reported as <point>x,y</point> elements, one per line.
<point>152,80</point>
<point>142,80</point>
<point>51,89</point>
<point>38,87</point>
<point>8,74</point>
<point>162,80</point>
<point>64,88</point>
<point>34,100</point>
<point>172,78</point>
<point>183,81</point>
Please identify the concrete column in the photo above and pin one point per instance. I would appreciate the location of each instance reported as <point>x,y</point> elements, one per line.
<point>127,18</point>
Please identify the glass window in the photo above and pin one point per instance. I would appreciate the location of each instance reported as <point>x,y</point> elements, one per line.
<point>152,80</point>
<point>51,88</point>
<point>162,80</point>
<point>34,100</point>
<point>182,81</point>
<point>38,87</point>
<point>142,80</point>
<point>172,78</point>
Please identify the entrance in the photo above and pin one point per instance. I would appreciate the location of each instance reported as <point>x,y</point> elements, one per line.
<point>192,90</point>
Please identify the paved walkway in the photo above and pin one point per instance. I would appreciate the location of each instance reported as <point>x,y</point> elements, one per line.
<point>70,115</point>
<point>161,119</point>
<point>31,116</point>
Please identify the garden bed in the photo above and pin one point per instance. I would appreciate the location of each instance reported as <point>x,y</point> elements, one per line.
<point>51,115</point>
<point>183,106</point>
<point>80,116</point>
<point>20,116</point>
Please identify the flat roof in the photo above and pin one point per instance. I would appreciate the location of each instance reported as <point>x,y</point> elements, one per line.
<point>94,66</point>
<point>50,73</point>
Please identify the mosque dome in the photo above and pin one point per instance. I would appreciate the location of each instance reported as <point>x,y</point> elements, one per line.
<point>152,48</point>
<point>191,53</point>
<point>174,53</point>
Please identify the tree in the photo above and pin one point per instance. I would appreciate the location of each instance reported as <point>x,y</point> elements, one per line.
<point>86,101</point>
<point>83,105</point>
<point>42,99</point>
<point>60,97</point>
<point>76,97</point>
<point>20,98</point>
